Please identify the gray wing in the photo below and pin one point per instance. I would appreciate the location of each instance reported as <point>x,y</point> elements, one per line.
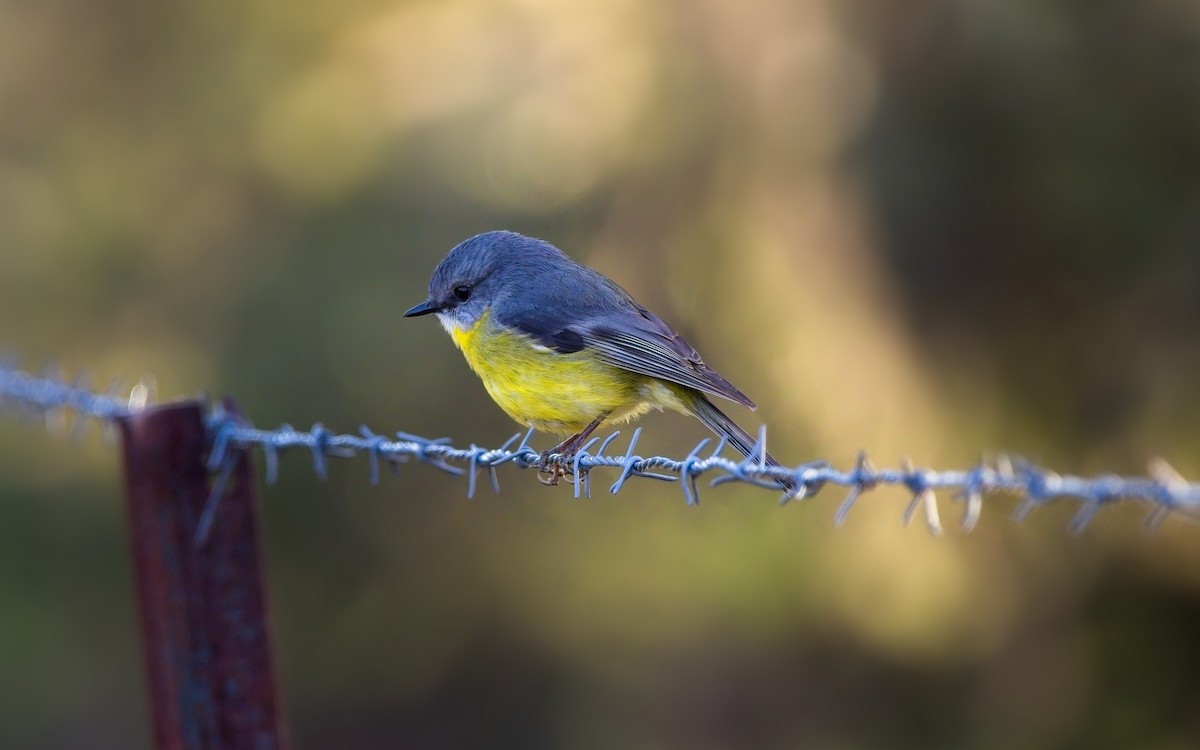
<point>646,344</point>
<point>632,338</point>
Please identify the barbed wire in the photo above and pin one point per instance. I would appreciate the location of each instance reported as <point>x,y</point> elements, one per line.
<point>1164,490</point>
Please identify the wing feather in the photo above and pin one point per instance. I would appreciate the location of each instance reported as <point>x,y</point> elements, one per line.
<point>634,339</point>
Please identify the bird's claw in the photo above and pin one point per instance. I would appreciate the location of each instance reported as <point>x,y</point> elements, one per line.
<point>551,472</point>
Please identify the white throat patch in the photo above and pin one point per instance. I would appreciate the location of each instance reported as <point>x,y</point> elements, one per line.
<point>449,323</point>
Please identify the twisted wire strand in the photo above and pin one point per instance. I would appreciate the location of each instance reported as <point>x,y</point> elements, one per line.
<point>1163,490</point>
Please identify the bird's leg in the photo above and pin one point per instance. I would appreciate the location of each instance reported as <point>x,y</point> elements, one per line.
<point>549,474</point>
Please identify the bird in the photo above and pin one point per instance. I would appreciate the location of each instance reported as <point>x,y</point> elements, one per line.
<point>563,349</point>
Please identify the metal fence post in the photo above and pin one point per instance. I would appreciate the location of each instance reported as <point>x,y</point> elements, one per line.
<point>203,610</point>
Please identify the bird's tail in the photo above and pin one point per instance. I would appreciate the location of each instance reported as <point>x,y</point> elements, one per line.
<point>716,420</point>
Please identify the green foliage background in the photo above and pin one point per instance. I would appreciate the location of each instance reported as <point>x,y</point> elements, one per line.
<point>917,228</point>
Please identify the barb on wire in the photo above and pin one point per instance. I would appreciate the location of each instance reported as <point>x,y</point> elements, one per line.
<point>1163,490</point>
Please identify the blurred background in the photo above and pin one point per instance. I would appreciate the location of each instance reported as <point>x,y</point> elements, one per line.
<point>922,229</point>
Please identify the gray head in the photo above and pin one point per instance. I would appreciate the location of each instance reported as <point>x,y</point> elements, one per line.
<point>486,269</point>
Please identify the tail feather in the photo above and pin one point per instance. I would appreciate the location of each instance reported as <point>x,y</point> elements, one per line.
<point>716,420</point>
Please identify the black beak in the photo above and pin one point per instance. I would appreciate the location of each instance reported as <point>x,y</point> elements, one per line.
<point>426,307</point>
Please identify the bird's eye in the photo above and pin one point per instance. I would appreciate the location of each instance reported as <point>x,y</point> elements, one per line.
<point>462,293</point>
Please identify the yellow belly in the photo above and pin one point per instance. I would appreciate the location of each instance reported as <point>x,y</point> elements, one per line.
<point>552,392</point>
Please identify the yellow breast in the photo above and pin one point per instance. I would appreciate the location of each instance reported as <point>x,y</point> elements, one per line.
<point>546,390</point>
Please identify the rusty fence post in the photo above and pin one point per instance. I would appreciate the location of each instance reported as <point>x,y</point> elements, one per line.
<point>203,607</point>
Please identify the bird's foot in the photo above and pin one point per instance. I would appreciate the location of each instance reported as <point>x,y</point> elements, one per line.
<point>551,472</point>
